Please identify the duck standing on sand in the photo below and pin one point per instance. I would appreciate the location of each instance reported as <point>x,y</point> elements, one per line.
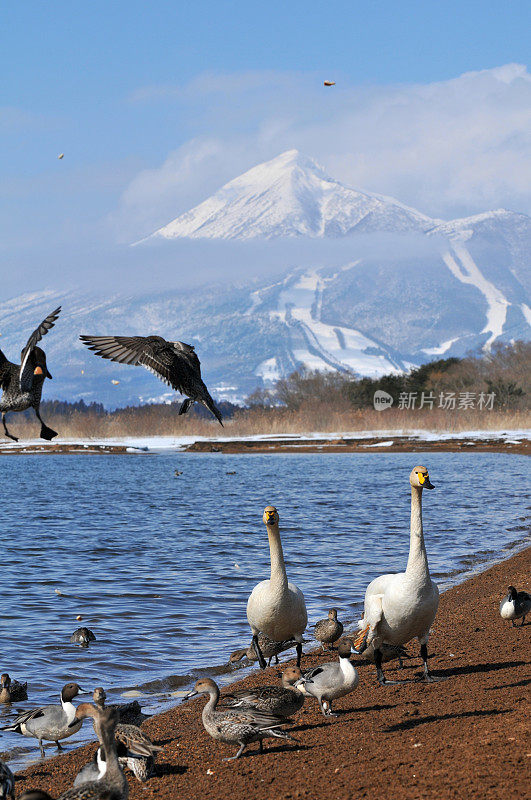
<point>236,725</point>
<point>328,631</point>
<point>22,384</point>
<point>175,363</point>
<point>515,605</point>
<point>275,606</point>
<point>50,723</point>
<point>402,607</point>
<point>284,701</point>
<point>329,681</point>
<point>135,749</point>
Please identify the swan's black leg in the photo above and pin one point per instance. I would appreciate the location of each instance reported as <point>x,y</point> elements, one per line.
<point>9,436</point>
<point>382,680</point>
<point>427,677</point>
<point>299,653</point>
<point>46,432</point>
<point>259,654</point>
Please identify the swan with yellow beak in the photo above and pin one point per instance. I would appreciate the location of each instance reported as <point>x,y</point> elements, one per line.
<point>403,606</point>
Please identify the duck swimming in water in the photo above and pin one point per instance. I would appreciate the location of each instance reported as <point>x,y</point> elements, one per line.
<point>12,691</point>
<point>175,363</point>
<point>82,636</point>
<point>22,383</point>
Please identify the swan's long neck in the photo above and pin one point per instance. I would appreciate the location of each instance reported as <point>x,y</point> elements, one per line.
<point>417,563</point>
<point>278,567</point>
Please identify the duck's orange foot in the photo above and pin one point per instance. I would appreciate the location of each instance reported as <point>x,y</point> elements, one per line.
<point>360,642</point>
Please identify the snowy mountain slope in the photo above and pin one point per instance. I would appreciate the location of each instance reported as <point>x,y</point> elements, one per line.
<point>291,196</point>
<point>384,310</point>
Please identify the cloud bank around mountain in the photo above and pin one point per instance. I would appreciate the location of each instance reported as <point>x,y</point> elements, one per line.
<point>448,149</point>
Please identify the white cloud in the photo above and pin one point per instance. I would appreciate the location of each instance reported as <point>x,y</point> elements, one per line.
<point>449,148</point>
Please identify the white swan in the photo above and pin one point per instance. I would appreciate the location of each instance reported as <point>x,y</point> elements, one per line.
<point>400,607</point>
<point>276,607</point>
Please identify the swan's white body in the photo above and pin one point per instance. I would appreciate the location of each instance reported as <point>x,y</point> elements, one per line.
<point>276,607</point>
<point>402,607</point>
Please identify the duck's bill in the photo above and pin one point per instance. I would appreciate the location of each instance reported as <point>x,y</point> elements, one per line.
<point>193,693</point>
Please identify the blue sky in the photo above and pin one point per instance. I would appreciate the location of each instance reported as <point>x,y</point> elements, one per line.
<point>136,93</point>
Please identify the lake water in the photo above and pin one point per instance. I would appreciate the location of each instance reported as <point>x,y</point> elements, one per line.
<point>160,566</point>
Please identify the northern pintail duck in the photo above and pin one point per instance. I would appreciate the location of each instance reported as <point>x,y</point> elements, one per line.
<point>284,701</point>
<point>515,605</point>
<point>94,771</point>
<point>113,785</point>
<point>236,726</point>
<point>400,607</point>
<point>328,631</point>
<point>268,647</point>
<point>50,723</point>
<point>175,363</point>
<point>135,749</point>
<point>329,681</point>
<point>82,636</point>
<point>275,606</point>
<point>22,383</point>
<point>12,691</point>
<point>7,782</point>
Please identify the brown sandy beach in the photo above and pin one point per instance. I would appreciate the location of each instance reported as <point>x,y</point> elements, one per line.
<point>399,443</point>
<point>467,736</point>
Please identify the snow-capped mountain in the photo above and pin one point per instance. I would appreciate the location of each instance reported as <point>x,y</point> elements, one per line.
<point>291,195</point>
<point>442,288</point>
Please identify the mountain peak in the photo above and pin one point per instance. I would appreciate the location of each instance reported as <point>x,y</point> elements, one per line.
<point>288,196</point>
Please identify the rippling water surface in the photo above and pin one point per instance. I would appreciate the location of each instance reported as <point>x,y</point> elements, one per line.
<point>160,566</point>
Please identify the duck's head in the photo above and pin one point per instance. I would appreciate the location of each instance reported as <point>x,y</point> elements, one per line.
<point>238,655</point>
<point>5,681</point>
<point>69,691</point>
<point>270,517</point>
<point>332,614</point>
<point>290,676</point>
<point>99,696</point>
<point>344,648</point>
<point>39,363</point>
<point>420,478</point>
<point>512,593</point>
<point>203,686</point>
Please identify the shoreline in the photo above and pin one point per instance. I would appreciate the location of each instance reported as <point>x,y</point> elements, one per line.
<point>515,442</point>
<point>413,740</point>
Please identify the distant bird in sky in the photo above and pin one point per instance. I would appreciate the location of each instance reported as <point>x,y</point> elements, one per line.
<point>22,384</point>
<point>115,383</point>
<point>60,156</point>
<point>329,83</point>
<point>175,363</point>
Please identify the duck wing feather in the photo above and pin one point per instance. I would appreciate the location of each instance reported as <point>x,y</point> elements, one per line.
<point>26,365</point>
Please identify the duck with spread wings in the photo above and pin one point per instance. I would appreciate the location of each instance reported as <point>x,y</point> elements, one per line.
<point>22,383</point>
<point>175,363</point>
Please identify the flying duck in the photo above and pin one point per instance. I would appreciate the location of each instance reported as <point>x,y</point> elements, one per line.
<point>515,605</point>
<point>22,383</point>
<point>52,722</point>
<point>175,363</point>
